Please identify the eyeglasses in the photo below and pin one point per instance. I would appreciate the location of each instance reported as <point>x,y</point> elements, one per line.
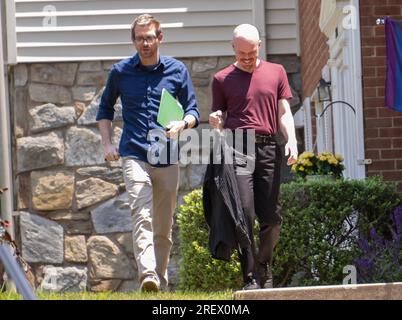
<point>148,39</point>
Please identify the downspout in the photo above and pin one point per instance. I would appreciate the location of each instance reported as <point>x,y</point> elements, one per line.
<point>7,203</point>
<point>358,78</point>
<point>298,44</point>
<point>259,23</point>
<point>11,33</point>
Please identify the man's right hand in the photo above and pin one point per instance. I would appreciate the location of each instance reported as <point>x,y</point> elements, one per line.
<point>216,120</point>
<point>111,153</point>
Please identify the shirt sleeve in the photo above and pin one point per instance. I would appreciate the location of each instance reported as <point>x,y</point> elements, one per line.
<point>218,96</point>
<point>186,96</point>
<point>109,97</point>
<point>284,91</point>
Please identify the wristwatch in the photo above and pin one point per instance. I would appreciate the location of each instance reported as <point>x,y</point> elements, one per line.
<point>185,124</point>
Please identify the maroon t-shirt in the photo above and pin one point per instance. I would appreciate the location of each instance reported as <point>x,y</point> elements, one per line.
<point>251,99</point>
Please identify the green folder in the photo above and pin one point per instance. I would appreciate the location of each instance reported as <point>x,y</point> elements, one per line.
<point>169,109</point>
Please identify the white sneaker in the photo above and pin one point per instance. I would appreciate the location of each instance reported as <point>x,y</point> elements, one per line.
<point>150,284</point>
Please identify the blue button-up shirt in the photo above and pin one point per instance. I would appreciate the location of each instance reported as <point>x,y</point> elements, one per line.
<point>140,90</point>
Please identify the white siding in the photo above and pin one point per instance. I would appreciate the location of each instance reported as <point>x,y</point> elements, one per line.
<point>281,17</point>
<point>100,29</point>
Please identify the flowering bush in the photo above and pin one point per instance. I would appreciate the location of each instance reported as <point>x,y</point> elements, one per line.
<point>324,163</point>
<point>381,259</point>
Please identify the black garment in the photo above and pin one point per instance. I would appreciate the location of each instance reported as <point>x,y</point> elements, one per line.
<point>259,193</point>
<point>223,212</point>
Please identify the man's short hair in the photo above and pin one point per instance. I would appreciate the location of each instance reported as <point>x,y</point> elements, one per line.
<point>145,20</point>
<point>247,31</point>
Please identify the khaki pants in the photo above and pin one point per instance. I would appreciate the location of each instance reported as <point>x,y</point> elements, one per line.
<point>152,195</point>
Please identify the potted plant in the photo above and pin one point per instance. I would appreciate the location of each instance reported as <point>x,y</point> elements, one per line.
<point>325,165</point>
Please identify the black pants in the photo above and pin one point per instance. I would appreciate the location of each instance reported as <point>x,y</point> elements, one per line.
<point>259,192</point>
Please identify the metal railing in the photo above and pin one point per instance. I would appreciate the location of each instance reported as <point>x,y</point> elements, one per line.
<point>10,258</point>
<point>14,272</point>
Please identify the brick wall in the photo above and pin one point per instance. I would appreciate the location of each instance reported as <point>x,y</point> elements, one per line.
<point>314,49</point>
<point>383,127</point>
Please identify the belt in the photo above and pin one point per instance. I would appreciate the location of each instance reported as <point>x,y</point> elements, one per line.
<point>259,138</point>
<point>265,138</point>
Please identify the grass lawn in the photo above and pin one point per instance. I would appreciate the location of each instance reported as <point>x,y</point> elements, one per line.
<point>225,295</point>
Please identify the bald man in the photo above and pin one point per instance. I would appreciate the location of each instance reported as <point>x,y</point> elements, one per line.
<point>253,94</point>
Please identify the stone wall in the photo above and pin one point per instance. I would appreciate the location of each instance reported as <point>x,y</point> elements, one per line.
<point>74,223</point>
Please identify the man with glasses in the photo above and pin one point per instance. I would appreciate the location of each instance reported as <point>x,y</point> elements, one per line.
<point>253,94</point>
<point>152,187</point>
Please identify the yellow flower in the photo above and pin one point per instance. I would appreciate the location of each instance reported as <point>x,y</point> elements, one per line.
<point>339,157</point>
<point>332,160</point>
<point>323,163</point>
<point>309,155</point>
<point>306,155</point>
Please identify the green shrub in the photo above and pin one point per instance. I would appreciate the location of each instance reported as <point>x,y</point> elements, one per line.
<point>322,223</point>
<point>198,270</point>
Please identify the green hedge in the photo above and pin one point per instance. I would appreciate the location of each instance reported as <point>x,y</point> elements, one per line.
<point>322,222</point>
<point>198,270</point>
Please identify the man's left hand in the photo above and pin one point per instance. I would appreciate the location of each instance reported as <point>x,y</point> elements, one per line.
<point>291,151</point>
<point>174,128</point>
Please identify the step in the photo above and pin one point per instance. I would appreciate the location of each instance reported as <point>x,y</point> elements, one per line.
<point>377,291</point>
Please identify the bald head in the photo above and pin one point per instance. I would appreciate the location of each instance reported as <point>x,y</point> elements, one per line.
<point>247,32</point>
<point>246,43</point>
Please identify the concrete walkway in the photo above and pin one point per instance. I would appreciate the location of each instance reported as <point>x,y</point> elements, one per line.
<point>383,291</point>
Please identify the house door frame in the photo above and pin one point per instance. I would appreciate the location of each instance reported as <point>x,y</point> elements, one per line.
<point>346,83</point>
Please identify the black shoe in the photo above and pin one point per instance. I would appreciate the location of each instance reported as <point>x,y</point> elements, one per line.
<point>251,284</point>
<point>268,284</point>
<point>265,275</point>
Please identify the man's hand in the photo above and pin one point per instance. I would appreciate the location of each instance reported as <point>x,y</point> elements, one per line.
<point>291,151</point>
<point>111,153</point>
<point>216,120</point>
<point>174,128</point>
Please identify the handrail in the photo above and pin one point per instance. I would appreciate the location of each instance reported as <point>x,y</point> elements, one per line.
<point>14,271</point>
<point>9,255</point>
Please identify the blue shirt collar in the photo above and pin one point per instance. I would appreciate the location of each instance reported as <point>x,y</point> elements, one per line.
<point>136,61</point>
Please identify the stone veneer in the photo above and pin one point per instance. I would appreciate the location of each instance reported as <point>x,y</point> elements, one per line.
<point>74,222</point>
